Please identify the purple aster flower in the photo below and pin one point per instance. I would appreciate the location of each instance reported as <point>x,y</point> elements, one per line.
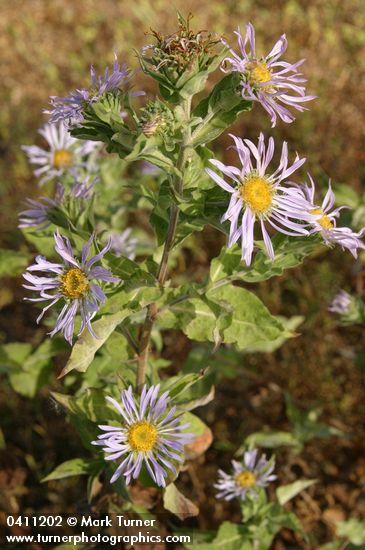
<point>71,281</point>
<point>261,195</point>
<point>148,169</point>
<point>84,189</point>
<point>37,215</point>
<point>151,434</point>
<point>325,221</point>
<point>123,245</point>
<point>266,79</point>
<point>65,154</point>
<point>341,303</point>
<point>247,476</point>
<point>70,109</point>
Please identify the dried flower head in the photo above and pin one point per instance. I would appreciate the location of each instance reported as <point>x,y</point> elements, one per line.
<point>180,50</point>
<point>156,119</point>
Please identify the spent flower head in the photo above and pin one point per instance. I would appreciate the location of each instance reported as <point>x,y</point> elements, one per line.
<point>64,154</point>
<point>72,282</point>
<point>271,82</point>
<point>175,53</point>
<point>157,119</point>
<point>325,221</point>
<point>246,476</point>
<point>150,434</point>
<point>261,195</point>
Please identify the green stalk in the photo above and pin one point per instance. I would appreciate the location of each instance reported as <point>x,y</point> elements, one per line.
<point>152,310</point>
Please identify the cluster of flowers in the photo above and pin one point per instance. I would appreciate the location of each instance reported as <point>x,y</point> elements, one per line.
<point>151,434</point>
<point>269,198</point>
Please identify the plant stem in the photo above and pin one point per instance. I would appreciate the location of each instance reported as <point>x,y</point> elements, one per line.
<point>145,339</point>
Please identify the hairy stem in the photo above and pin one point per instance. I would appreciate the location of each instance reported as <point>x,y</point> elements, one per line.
<point>145,338</point>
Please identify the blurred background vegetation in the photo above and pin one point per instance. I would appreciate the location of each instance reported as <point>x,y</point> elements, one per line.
<point>46,49</point>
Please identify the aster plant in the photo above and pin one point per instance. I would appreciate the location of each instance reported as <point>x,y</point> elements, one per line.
<point>113,302</point>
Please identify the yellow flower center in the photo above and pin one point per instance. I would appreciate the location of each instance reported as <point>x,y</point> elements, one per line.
<point>246,479</point>
<point>62,158</point>
<point>142,436</point>
<point>259,73</point>
<point>257,193</point>
<point>324,221</point>
<point>75,284</point>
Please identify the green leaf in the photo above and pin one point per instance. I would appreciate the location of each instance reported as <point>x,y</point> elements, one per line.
<point>12,262</point>
<point>178,385</point>
<point>14,354</point>
<point>287,492</point>
<point>218,122</point>
<point>305,424</point>
<point>90,409</point>
<point>219,110</point>
<point>289,253</point>
<point>346,195</point>
<point>198,318</point>
<point>28,370</point>
<point>278,518</point>
<point>228,313</point>
<point>251,322</point>
<point>117,347</point>
<point>189,391</point>
<point>73,467</point>
<point>230,536</point>
<point>353,529</point>
<point>149,149</point>
<point>289,326</point>
<point>194,174</point>
<point>176,503</point>
<point>129,271</point>
<point>86,346</point>
<point>271,439</point>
